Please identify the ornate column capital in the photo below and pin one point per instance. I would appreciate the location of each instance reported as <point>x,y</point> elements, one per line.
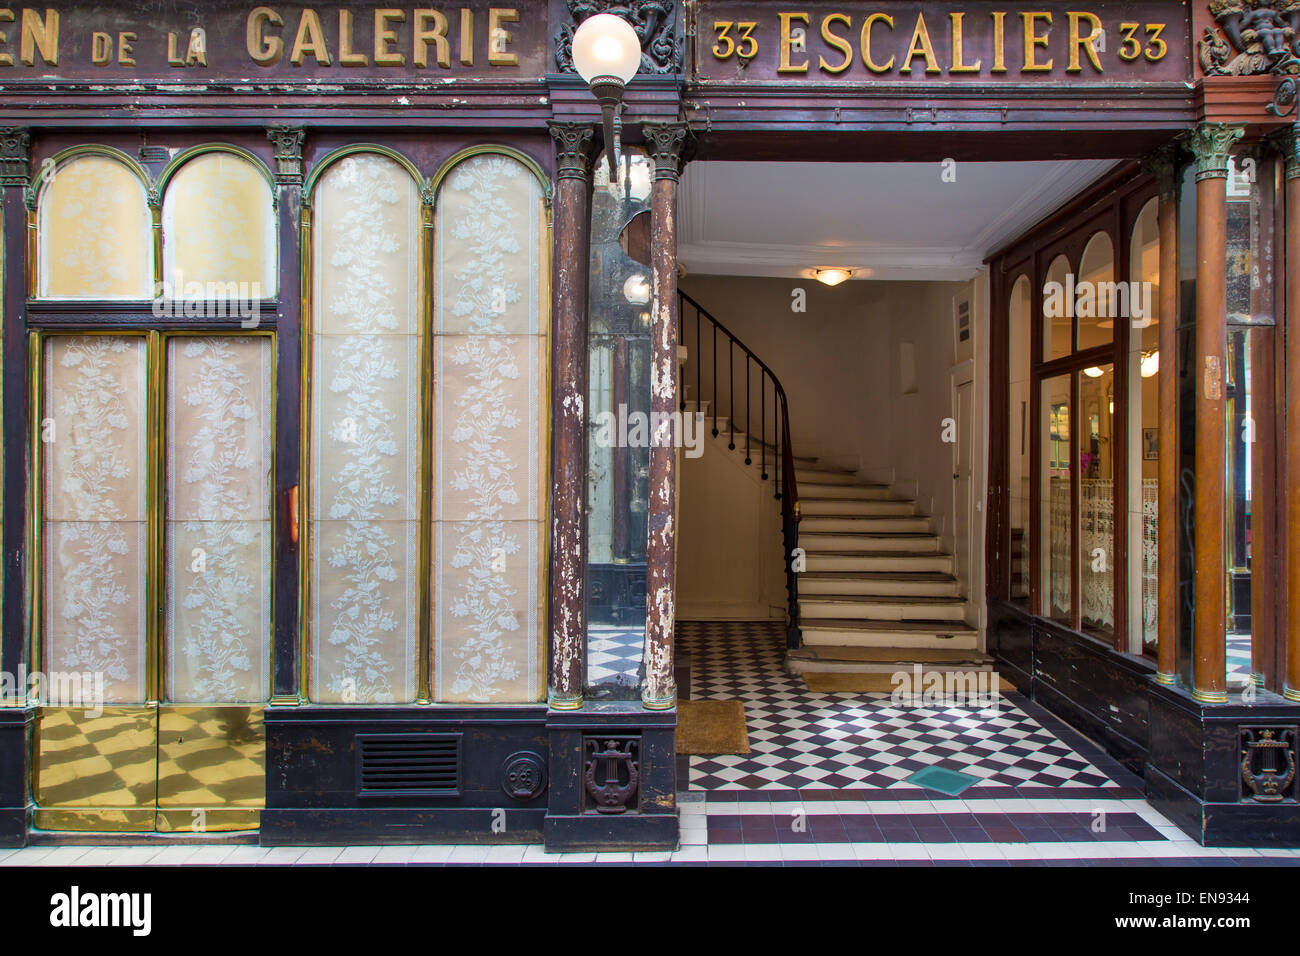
<point>1287,142</point>
<point>287,142</point>
<point>575,149</point>
<point>1210,144</point>
<point>1165,166</point>
<point>15,155</point>
<point>666,143</point>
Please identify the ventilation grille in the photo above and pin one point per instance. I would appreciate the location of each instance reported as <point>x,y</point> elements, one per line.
<point>404,765</point>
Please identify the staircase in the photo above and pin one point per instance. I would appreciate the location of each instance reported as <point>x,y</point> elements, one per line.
<point>877,591</point>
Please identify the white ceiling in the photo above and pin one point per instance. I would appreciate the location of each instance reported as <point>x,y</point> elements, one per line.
<point>890,220</point>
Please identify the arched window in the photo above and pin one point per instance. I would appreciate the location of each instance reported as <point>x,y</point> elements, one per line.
<point>1018,313</point>
<point>1143,428</point>
<point>1098,299</point>
<point>1058,310</point>
<point>94,230</point>
<point>490,357</point>
<point>366,347</point>
<point>218,222</point>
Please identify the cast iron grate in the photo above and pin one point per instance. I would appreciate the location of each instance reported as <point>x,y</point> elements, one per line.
<point>405,765</point>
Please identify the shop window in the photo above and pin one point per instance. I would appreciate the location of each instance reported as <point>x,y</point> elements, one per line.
<point>490,358</point>
<point>1096,506</point>
<point>95,510</point>
<point>101,491</point>
<point>1019,307</point>
<point>94,230</point>
<point>366,441</point>
<point>218,517</point>
<point>428,464</point>
<point>1144,449</point>
<point>618,391</point>
<point>219,224</point>
<point>1251,421</point>
<point>1055,502</point>
<point>1098,298</point>
<point>1058,311</point>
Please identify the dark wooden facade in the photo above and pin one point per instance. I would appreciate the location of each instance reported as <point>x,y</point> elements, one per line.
<point>689,100</point>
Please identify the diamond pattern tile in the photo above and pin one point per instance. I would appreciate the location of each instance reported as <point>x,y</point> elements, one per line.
<point>803,739</point>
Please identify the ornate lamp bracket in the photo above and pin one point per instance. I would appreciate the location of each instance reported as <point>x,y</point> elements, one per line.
<point>1284,97</point>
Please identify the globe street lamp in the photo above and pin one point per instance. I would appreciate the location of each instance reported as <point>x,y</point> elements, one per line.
<point>607,53</point>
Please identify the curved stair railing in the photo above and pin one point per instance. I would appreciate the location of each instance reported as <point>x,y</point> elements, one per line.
<point>785,482</point>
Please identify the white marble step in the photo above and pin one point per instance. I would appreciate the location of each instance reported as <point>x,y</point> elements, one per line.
<point>879,583</point>
<point>864,524</point>
<point>844,507</point>
<point>825,476</point>
<point>861,633</point>
<point>883,541</point>
<point>809,491</point>
<point>880,608</point>
<point>924,561</point>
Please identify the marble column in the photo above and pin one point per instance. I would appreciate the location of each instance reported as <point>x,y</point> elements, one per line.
<point>1210,144</point>
<point>665,142</point>
<point>571,225</point>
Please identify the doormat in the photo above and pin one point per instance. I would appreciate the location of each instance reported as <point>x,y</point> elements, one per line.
<point>951,782</point>
<point>834,682</point>
<point>711,727</point>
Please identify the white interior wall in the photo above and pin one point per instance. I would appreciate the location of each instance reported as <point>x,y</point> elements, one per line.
<point>839,362</point>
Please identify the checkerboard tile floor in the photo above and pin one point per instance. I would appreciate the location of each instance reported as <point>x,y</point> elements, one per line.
<point>1239,663</point>
<point>803,739</point>
<point>614,656</point>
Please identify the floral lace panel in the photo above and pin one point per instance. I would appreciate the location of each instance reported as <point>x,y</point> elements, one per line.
<point>218,522</point>
<point>219,227</point>
<point>365,442</point>
<point>489,459</point>
<point>95,235</point>
<point>94,496</point>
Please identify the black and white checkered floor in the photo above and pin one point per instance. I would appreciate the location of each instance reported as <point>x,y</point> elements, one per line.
<point>803,739</point>
<point>614,656</point>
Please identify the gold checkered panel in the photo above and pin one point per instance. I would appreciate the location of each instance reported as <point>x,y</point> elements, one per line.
<point>96,772</point>
<point>212,756</point>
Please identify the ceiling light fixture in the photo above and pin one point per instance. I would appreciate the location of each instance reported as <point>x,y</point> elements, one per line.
<point>1093,372</point>
<point>832,276</point>
<point>1150,363</point>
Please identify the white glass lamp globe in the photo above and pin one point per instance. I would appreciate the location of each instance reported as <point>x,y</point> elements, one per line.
<point>606,46</point>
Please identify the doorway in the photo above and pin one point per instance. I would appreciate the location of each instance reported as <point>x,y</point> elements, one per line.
<point>153,552</point>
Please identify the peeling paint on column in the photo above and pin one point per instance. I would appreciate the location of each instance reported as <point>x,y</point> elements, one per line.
<point>659,692</point>
<point>571,219</point>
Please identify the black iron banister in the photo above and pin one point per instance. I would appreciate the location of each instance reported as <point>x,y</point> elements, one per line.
<point>786,485</point>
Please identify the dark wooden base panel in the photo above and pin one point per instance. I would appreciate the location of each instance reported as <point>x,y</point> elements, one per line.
<point>15,750</point>
<point>1197,768</point>
<point>417,774</point>
<point>613,779</point>
<point>1218,771</point>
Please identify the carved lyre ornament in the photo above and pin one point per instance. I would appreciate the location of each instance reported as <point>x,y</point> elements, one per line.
<point>653,20</point>
<point>612,773</point>
<point>1268,763</point>
<point>1253,37</point>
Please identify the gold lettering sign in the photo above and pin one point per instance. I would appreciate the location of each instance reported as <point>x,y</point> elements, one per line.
<point>342,35</point>
<point>896,38</point>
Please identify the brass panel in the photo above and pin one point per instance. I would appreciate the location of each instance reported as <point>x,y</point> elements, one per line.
<point>199,820</point>
<point>95,821</point>
<point>211,756</point>
<point>103,762</point>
